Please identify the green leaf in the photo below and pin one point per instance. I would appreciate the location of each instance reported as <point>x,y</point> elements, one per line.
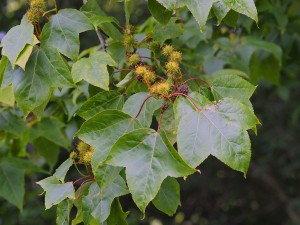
<point>92,7</point>
<point>246,7</point>
<point>126,81</point>
<point>128,5</point>
<point>56,192</point>
<point>220,10</point>
<point>45,69</point>
<point>138,102</point>
<point>7,96</point>
<point>12,184</point>
<point>11,123</point>
<point>94,69</point>
<point>264,66</point>
<point>16,39</point>
<point>258,44</point>
<point>97,20</point>
<point>3,68</point>
<point>99,102</point>
<point>232,86</point>
<point>51,129</point>
<point>63,29</point>
<point>105,174</point>
<point>169,31</point>
<point>103,130</point>
<point>200,10</point>
<point>219,129</point>
<point>99,201</point>
<point>168,123</point>
<point>62,170</point>
<point>168,198</point>
<point>48,150</point>
<point>63,213</point>
<point>149,158</point>
<point>117,215</point>
<point>159,12</point>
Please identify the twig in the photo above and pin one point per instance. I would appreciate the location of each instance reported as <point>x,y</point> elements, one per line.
<point>137,115</point>
<point>101,39</point>
<point>194,78</point>
<point>188,97</point>
<point>55,5</point>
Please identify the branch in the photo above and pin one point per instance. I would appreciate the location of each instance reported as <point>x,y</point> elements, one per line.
<point>101,39</point>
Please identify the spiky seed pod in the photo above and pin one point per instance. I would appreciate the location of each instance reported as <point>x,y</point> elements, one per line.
<point>73,155</point>
<point>87,157</point>
<point>82,146</point>
<point>38,4</point>
<point>149,77</point>
<point>154,46</point>
<point>161,89</point>
<point>140,70</point>
<point>175,56</point>
<point>129,29</point>
<point>91,148</point>
<point>167,50</point>
<point>133,59</point>
<point>33,15</point>
<point>172,67</point>
<point>129,42</point>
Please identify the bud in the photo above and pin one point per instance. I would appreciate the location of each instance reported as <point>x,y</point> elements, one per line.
<point>149,77</point>
<point>162,89</point>
<point>73,155</point>
<point>167,50</point>
<point>38,4</point>
<point>82,146</point>
<point>140,70</point>
<point>133,59</point>
<point>33,15</point>
<point>129,42</point>
<point>175,56</point>
<point>154,46</point>
<point>172,67</point>
<point>87,157</point>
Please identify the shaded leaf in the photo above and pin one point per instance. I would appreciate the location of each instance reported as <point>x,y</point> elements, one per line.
<point>167,199</point>
<point>63,213</point>
<point>159,12</point>
<point>98,201</point>
<point>169,31</point>
<point>51,129</point>
<point>12,184</point>
<point>117,215</point>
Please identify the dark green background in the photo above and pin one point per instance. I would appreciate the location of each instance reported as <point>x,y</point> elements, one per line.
<point>220,196</point>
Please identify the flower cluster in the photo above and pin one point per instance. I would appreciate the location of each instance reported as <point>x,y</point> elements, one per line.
<point>84,153</point>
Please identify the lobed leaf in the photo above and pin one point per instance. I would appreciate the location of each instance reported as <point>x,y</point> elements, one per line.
<point>149,158</point>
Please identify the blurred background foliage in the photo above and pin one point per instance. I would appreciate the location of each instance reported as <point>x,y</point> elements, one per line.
<point>269,54</point>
